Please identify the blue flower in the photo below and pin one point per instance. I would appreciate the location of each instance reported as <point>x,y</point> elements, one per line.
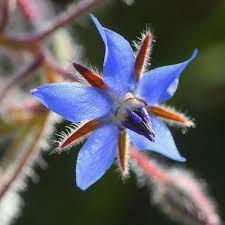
<point>119,101</point>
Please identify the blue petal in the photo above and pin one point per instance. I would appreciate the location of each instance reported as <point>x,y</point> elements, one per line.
<point>118,67</point>
<point>164,143</point>
<point>160,84</point>
<point>73,101</point>
<point>97,155</point>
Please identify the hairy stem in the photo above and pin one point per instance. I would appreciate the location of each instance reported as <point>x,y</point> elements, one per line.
<point>37,62</point>
<point>62,20</point>
<point>150,168</point>
<point>67,17</point>
<point>5,15</point>
<point>33,149</point>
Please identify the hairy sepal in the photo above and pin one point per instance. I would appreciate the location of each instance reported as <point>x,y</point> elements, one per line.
<point>171,116</point>
<point>74,135</point>
<point>92,77</point>
<point>143,50</point>
<point>123,155</point>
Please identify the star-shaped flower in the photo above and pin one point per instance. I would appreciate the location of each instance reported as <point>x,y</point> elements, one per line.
<point>123,101</point>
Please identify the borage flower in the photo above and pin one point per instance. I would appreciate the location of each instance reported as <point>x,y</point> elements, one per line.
<point>124,100</point>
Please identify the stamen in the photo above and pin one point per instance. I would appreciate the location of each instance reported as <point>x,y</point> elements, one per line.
<point>75,135</point>
<point>142,55</point>
<point>139,122</point>
<point>171,115</point>
<point>134,116</point>
<point>123,156</point>
<point>144,114</point>
<point>93,78</point>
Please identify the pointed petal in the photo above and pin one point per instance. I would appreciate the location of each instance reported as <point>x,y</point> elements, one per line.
<point>118,67</point>
<point>164,143</point>
<point>160,84</point>
<point>73,101</point>
<point>97,155</point>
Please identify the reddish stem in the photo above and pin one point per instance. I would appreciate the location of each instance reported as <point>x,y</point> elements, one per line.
<point>62,20</point>
<point>37,62</point>
<point>5,15</point>
<point>34,149</point>
<point>65,18</point>
<point>29,10</point>
<point>150,168</point>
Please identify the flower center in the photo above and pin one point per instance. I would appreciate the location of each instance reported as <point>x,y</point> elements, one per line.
<point>131,113</point>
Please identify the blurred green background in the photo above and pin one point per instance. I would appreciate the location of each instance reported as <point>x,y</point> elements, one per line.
<point>179,27</point>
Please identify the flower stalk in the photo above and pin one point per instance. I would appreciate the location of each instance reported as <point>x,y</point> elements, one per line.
<point>177,192</point>
<point>74,11</point>
<point>37,62</point>
<point>149,167</point>
<point>5,15</point>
